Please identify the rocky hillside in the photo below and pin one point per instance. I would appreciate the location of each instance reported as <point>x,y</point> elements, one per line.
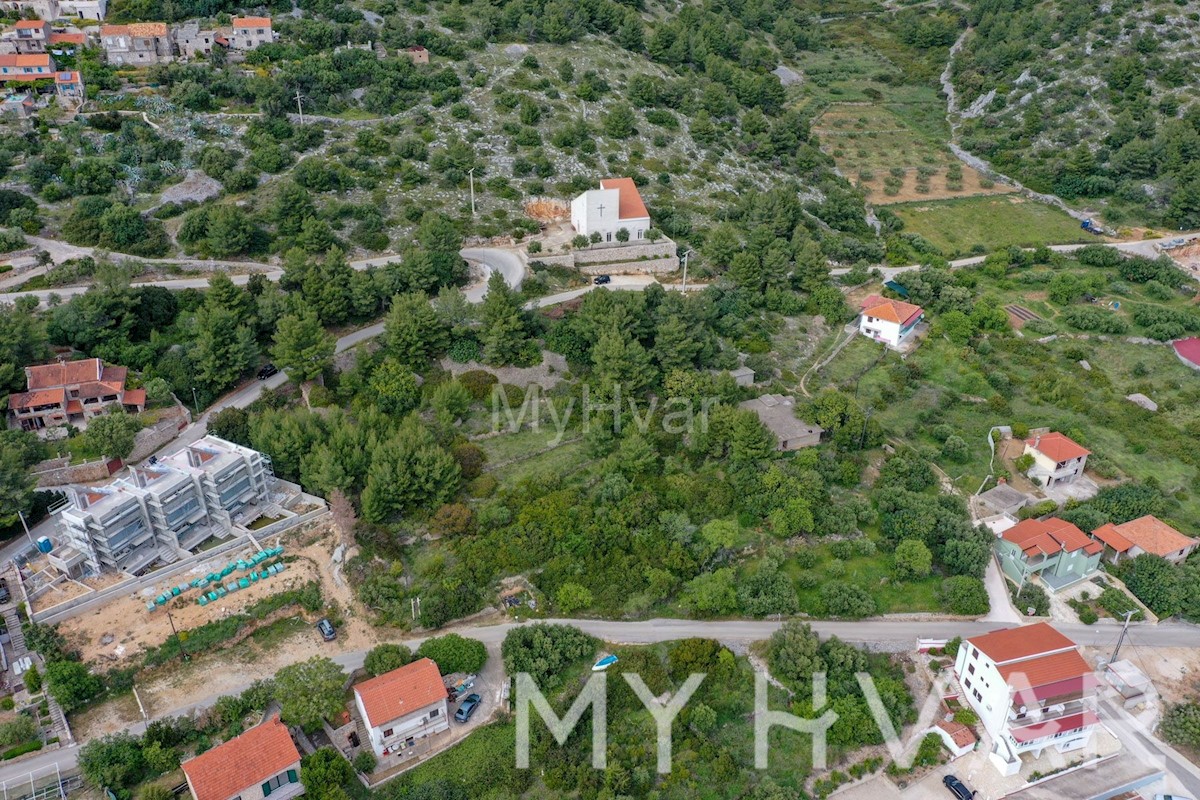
<point>1095,102</point>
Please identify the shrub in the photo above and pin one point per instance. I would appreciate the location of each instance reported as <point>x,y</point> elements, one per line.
<point>544,651</point>
<point>385,658</point>
<point>1031,596</point>
<point>964,595</point>
<point>1087,615</point>
<point>33,680</point>
<point>454,653</point>
<point>1181,724</point>
<point>846,600</point>
<point>365,762</point>
<point>479,383</point>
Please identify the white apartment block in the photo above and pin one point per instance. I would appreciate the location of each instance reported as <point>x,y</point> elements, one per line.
<point>1032,691</point>
<point>161,511</point>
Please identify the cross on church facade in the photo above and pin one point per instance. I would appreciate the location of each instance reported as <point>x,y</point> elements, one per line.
<point>601,207</point>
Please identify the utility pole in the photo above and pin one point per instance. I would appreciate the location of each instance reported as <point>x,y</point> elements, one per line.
<point>195,400</point>
<point>685,263</point>
<point>25,525</point>
<point>1121,638</point>
<point>299,106</point>
<point>178,638</point>
<point>471,175</point>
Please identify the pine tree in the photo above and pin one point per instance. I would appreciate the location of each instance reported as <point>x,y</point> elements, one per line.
<point>675,345</point>
<point>222,293</point>
<point>746,271</point>
<point>408,471</point>
<point>224,348</point>
<point>504,332</point>
<point>302,347</point>
<point>619,361</point>
<point>413,334</point>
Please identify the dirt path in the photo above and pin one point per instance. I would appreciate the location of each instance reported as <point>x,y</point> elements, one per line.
<point>849,332</point>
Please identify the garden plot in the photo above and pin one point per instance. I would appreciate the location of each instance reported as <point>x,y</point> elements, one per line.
<point>893,163</point>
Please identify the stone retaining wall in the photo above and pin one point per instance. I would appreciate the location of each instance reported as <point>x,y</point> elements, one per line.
<point>604,259</point>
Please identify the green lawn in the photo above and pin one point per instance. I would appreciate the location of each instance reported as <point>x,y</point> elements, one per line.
<point>957,226</point>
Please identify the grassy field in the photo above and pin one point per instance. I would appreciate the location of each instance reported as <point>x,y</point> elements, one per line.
<point>1044,385</point>
<point>958,227</point>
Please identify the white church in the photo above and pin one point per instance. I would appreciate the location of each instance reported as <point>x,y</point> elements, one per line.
<point>615,205</point>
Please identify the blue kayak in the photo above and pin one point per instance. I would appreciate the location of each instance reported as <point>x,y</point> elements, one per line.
<point>604,663</point>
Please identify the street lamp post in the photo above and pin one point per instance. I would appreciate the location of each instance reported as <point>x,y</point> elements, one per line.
<point>195,401</point>
<point>685,265</point>
<point>471,175</point>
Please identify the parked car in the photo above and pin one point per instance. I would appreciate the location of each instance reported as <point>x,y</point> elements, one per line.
<point>266,371</point>
<point>4,593</point>
<point>1170,797</point>
<point>600,280</point>
<point>957,788</point>
<point>468,707</point>
<point>326,629</point>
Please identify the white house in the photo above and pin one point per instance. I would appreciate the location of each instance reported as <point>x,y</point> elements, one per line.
<point>889,321</point>
<point>402,706</point>
<point>1031,689</point>
<point>1147,534</point>
<point>262,762</point>
<point>615,205</point>
<point>1056,458</point>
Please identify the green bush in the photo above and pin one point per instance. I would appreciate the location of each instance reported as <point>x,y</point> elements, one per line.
<point>33,679</point>
<point>1031,596</point>
<point>365,762</point>
<point>1117,603</point>
<point>454,653</point>
<point>964,595</point>
<point>21,749</point>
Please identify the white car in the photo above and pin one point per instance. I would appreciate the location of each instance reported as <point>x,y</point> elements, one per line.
<point>1170,797</point>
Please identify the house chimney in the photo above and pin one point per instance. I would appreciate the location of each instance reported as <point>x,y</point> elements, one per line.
<point>1037,440</point>
<point>1001,480</point>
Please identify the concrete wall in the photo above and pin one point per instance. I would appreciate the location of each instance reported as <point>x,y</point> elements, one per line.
<point>152,438</point>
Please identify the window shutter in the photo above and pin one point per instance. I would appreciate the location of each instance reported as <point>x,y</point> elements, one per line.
<point>266,789</point>
<point>292,776</point>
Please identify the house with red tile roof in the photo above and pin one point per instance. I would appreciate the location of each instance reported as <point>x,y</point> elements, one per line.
<point>1053,550</point>
<point>27,36</point>
<point>24,68</point>
<point>251,32</point>
<point>140,44</point>
<point>616,206</point>
<point>1032,691</point>
<point>401,707</point>
<point>71,392</point>
<point>892,322</point>
<point>1147,534</point>
<point>1057,459</point>
<point>263,762</point>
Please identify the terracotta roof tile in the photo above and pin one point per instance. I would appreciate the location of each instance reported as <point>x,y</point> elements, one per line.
<point>251,22</point>
<point>1149,533</point>
<point>1112,537</point>
<point>1014,644</point>
<point>64,373</point>
<point>135,29</point>
<point>1042,670</point>
<point>630,205</point>
<point>30,24</point>
<point>1057,447</point>
<point>1035,536</point>
<point>248,760</point>
<point>25,60</point>
<point>961,735</point>
<point>135,397</point>
<point>402,691</point>
<point>68,38</point>
<point>896,311</point>
<point>38,397</point>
